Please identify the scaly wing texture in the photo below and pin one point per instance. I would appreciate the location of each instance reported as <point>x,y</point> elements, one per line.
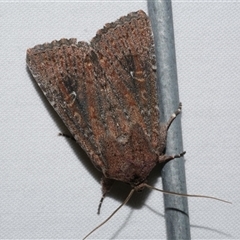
<point>104,90</point>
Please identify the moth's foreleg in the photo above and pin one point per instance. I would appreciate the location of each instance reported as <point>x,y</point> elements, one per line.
<point>106,187</point>
<point>67,136</point>
<point>174,115</point>
<point>165,158</point>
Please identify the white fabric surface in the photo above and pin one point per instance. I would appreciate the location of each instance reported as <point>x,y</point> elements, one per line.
<point>49,188</point>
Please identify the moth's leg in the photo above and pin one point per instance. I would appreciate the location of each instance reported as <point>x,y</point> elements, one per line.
<point>106,187</point>
<point>67,136</point>
<point>165,158</point>
<point>174,115</point>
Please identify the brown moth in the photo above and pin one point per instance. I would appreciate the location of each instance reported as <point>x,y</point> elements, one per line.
<point>105,92</point>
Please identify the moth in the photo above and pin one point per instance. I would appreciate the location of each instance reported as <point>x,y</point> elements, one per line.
<point>105,92</point>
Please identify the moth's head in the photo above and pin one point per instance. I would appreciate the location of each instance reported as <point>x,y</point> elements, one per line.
<point>140,187</point>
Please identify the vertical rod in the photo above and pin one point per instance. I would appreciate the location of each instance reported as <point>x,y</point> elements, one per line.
<point>173,173</point>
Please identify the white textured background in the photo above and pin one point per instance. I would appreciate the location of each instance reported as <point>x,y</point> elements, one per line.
<point>48,187</point>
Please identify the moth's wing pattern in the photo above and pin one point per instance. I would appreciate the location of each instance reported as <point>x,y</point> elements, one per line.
<point>125,51</point>
<point>105,89</point>
<point>64,71</point>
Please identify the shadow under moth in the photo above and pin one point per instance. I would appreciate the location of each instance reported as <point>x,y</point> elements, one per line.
<point>105,92</point>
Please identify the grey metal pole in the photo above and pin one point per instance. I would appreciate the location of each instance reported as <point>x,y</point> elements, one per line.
<point>173,173</point>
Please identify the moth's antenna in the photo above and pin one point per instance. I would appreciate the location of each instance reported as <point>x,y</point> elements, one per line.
<point>160,190</point>
<point>125,202</point>
<point>184,195</point>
